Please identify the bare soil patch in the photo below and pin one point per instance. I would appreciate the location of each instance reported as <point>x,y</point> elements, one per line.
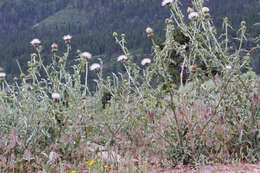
<point>229,168</point>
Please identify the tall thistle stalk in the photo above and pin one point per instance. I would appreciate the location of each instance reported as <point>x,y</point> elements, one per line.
<point>85,56</point>
<point>86,78</point>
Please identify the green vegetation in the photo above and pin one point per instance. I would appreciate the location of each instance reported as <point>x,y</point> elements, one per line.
<point>195,102</point>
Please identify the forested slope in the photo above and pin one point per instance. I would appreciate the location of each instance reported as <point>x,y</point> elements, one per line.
<point>91,24</point>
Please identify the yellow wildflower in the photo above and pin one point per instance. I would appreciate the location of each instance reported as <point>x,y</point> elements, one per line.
<point>73,171</point>
<point>91,163</point>
<point>106,166</point>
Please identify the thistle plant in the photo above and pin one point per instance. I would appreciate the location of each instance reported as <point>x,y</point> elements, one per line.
<point>194,100</point>
<point>195,65</point>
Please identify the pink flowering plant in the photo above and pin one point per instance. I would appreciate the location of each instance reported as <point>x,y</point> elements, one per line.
<point>194,100</point>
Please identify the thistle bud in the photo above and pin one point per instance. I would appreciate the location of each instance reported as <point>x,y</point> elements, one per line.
<point>54,47</point>
<point>22,75</point>
<point>115,34</point>
<point>189,10</point>
<point>193,67</point>
<point>33,55</point>
<point>29,63</point>
<point>243,25</point>
<point>225,20</point>
<point>168,21</point>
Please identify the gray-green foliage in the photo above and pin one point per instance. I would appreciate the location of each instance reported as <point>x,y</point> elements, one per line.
<point>196,102</point>
<point>208,74</point>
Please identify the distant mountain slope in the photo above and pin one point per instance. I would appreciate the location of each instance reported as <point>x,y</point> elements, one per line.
<point>91,23</point>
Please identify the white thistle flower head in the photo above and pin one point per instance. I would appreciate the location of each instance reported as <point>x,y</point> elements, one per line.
<point>95,67</point>
<point>189,10</point>
<point>205,10</point>
<point>86,55</point>
<point>146,61</point>
<point>67,38</point>
<point>122,58</point>
<point>149,30</point>
<point>193,15</point>
<point>166,2</point>
<point>229,67</point>
<point>55,96</point>
<point>2,75</point>
<point>35,42</point>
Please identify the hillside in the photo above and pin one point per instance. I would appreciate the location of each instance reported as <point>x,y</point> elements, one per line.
<point>91,24</point>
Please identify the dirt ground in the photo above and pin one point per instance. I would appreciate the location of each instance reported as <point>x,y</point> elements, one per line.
<point>231,168</point>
